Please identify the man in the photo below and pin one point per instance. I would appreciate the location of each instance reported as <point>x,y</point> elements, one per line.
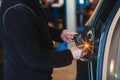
<point>27,39</point>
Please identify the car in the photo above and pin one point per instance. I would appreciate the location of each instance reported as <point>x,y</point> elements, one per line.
<point>105,26</point>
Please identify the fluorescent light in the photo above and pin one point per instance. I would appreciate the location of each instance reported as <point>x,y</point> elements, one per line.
<point>81,1</point>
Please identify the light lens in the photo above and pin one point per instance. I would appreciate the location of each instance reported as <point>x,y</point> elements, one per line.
<point>81,1</point>
<point>112,64</point>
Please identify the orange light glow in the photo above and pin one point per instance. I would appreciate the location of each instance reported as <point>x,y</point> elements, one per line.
<point>86,45</point>
<point>112,64</point>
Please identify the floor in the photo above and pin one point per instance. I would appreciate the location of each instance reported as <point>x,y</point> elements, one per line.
<point>65,73</point>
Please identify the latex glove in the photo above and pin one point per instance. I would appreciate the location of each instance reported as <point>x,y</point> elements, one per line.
<point>77,52</point>
<point>67,35</point>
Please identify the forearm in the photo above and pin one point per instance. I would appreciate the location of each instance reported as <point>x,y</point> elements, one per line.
<point>55,34</point>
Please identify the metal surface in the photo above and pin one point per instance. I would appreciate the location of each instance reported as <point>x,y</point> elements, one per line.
<point>95,13</point>
<point>108,45</point>
<point>71,17</point>
<point>71,14</point>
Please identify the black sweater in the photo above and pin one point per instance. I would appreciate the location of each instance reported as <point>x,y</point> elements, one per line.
<point>27,40</point>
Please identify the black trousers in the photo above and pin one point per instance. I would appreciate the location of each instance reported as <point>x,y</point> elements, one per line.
<point>1,72</point>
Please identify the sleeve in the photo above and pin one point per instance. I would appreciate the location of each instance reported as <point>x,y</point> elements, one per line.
<point>55,34</point>
<point>20,25</point>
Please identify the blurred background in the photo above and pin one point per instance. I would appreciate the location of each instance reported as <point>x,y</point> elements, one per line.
<point>58,12</point>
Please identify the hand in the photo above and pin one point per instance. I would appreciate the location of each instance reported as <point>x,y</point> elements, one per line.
<point>68,35</point>
<point>77,52</point>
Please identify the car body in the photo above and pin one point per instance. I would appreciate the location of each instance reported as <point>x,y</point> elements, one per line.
<point>105,24</point>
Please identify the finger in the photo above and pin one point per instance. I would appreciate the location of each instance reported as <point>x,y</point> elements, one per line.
<point>69,40</point>
<point>64,38</point>
<point>71,34</point>
<point>80,46</point>
<point>84,53</point>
